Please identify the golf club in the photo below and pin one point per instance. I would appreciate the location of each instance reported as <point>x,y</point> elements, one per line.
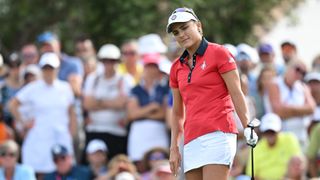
<point>252,124</point>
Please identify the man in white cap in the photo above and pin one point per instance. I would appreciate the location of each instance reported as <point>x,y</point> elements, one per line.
<point>274,150</point>
<point>313,81</point>
<point>97,156</point>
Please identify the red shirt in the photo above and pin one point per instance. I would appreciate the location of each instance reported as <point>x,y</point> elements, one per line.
<point>208,104</point>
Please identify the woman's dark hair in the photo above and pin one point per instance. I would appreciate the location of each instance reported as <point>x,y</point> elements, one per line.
<point>259,83</point>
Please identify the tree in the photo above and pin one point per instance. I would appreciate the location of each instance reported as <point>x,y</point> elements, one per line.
<point>113,21</point>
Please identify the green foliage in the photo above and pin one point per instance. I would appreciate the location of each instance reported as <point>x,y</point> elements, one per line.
<point>113,21</point>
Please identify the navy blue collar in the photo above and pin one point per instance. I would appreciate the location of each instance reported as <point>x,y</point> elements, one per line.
<point>200,51</point>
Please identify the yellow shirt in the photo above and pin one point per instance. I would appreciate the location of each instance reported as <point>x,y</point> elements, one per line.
<point>121,69</point>
<point>271,163</point>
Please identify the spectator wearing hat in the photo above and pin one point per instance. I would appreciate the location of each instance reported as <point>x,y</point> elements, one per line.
<point>96,156</point>
<point>313,81</point>
<point>146,111</point>
<point>65,169</point>
<point>313,150</point>
<point>30,73</point>
<point>288,51</point>
<point>290,98</point>
<point>130,60</point>
<point>267,58</point>
<point>105,96</point>
<point>247,59</point>
<point>9,166</point>
<point>71,69</point>
<point>151,160</point>
<point>10,86</point>
<point>275,149</point>
<point>52,118</point>
<point>118,166</point>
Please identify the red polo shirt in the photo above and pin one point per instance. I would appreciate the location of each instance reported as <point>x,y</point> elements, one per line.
<point>208,104</point>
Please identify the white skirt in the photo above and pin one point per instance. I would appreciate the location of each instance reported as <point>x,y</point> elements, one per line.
<point>212,148</point>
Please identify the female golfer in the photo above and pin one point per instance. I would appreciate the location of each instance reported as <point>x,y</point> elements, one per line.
<point>205,83</point>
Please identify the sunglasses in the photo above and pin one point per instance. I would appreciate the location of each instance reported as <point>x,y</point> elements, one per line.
<point>157,156</point>
<point>8,154</point>
<point>184,9</point>
<point>300,70</point>
<point>59,158</point>
<point>129,53</point>
<point>28,56</point>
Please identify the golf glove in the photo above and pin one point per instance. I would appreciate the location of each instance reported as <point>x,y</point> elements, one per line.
<point>251,140</point>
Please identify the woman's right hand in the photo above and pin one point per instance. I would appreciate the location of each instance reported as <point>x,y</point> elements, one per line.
<point>175,160</point>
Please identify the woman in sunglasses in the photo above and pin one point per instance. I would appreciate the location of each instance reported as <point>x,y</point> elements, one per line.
<point>290,98</point>
<point>9,167</point>
<point>205,82</point>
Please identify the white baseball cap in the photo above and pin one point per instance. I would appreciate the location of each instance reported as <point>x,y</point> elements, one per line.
<point>109,51</point>
<point>181,15</point>
<point>96,145</point>
<point>312,76</point>
<point>151,43</point>
<point>49,59</point>
<point>124,176</point>
<point>250,52</point>
<point>270,121</point>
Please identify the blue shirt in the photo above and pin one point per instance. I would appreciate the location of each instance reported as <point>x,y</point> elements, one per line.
<point>70,65</point>
<point>20,172</point>
<point>157,94</point>
<point>76,173</point>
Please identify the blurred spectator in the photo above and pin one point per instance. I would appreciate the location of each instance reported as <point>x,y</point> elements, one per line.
<point>313,151</point>
<point>29,54</point>
<point>10,168</point>
<point>291,99</point>
<point>84,48</point>
<point>146,110</point>
<point>119,164</point>
<point>65,169</point>
<point>52,118</point>
<point>313,81</point>
<point>296,169</point>
<point>247,59</point>
<point>162,171</point>
<point>6,132</point>
<point>130,60</point>
<point>267,58</point>
<point>274,150</point>
<point>31,73</point>
<point>265,77</point>
<point>105,96</point>
<point>97,158</point>
<point>10,87</point>
<point>71,69</point>
<point>316,64</point>
<point>288,51</point>
<point>150,160</point>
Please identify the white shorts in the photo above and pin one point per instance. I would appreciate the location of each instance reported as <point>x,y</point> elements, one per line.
<point>212,148</point>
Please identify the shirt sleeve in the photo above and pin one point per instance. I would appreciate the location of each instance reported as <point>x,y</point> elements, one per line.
<point>88,85</point>
<point>173,76</point>
<point>225,60</point>
<point>25,94</point>
<point>127,84</point>
<point>314,145</point>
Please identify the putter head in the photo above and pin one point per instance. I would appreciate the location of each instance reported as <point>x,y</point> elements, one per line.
<point>254,123</point>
